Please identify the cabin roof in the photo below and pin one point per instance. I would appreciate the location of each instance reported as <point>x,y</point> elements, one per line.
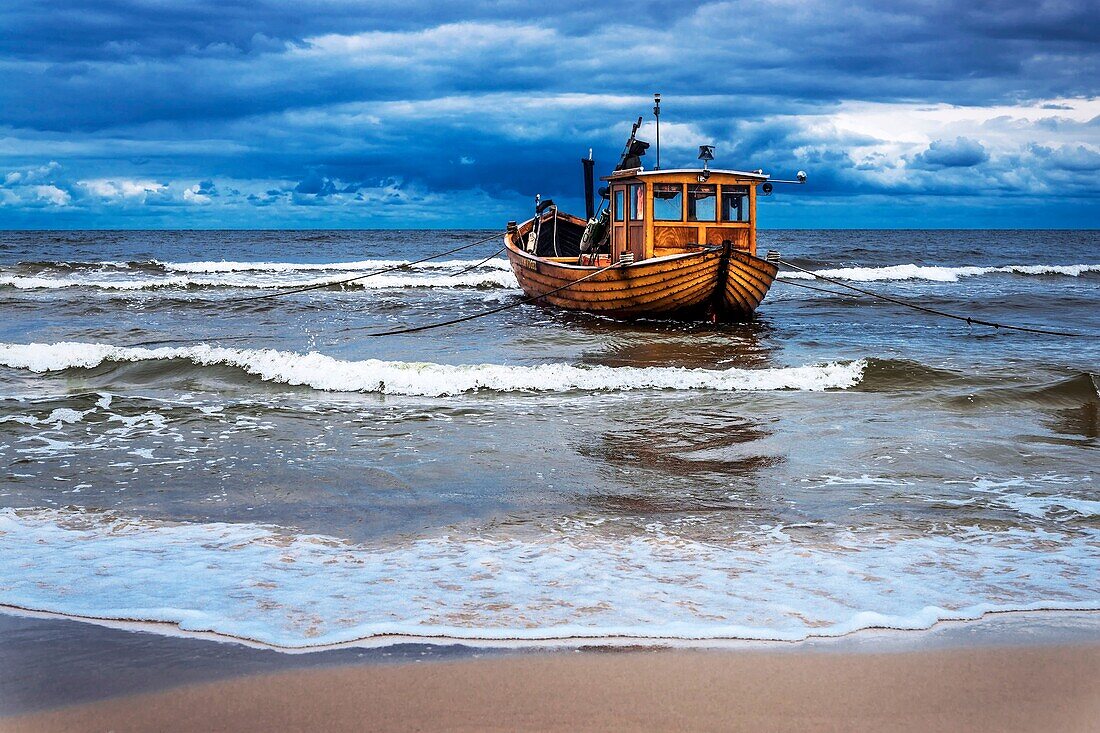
<point>639,173</point>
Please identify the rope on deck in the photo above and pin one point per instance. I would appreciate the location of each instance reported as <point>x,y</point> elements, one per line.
<point>925,309</point>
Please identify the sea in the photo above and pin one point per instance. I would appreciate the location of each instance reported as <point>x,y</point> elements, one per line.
<point>176,450</point>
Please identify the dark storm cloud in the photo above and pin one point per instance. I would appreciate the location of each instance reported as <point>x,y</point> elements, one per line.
<point>326,101</point>
<point>960,153</point>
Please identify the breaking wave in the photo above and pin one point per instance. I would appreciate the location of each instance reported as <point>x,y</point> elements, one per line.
<point>939,274</point>
<point>267,584</point>
<point>493,278</point>
<point>436,380</point>
<point>225,266</point>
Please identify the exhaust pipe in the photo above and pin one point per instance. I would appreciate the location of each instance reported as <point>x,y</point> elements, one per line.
<point>589,197</point>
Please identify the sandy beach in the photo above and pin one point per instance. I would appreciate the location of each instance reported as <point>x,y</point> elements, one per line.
<point>995,689</point>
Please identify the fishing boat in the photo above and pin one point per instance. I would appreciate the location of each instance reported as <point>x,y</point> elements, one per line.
<point>678,243</point>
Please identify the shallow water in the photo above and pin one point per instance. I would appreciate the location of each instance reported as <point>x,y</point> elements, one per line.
<point>266,469</point>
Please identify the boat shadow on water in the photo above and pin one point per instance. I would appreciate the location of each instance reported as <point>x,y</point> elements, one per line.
<point>712,461</point>
<point>664,343</point>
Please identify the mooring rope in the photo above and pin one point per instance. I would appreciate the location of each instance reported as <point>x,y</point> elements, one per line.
<point>317,286</point>
<point>402,266</point>
<point>899,301</point>
<point>524,301</point>
<point>820,290</point>
<point>498,309</point>
<point>464,270</point>
<point>426,327</point>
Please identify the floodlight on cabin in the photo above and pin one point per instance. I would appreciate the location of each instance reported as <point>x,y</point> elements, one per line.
<point>706,154</point>
<point>800,177</point>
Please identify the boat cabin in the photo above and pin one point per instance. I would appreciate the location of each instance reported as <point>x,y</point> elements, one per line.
<point>666,212</point>
<point>677,243</point>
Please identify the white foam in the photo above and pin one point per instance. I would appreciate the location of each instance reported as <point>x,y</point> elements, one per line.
<point>265,584</point>
<point>428,379</point>
<point>1038,504</point>
<point>493,278</point>
<point>364,265</point>
<point>56,283</point>
<point>938,274</point>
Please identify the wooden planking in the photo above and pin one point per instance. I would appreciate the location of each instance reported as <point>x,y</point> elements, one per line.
<point>616,279</point>
<point>553,274</point>
<point>621,293</point>
<point>616,289</point>
<point>747,282</point>
<point>673,237</point>
<point>692,294</point>
<point>674,297</point>
<point>668,251</point>
<point>739,236</point>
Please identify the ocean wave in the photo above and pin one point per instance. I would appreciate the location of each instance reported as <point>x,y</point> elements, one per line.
<point>435,380</point>
<point>938,274</point>
<point>1080,389</point>
<point>272,586</point>
<point>215,266</point>
<point>494,278</point>
<point>226,266</point>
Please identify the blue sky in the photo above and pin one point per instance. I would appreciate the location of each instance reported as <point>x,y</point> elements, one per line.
<point>332,113</point>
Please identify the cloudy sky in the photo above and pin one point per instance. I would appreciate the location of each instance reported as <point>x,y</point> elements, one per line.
<point>351,113</point>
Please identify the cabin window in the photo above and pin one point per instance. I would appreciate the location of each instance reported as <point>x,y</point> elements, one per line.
<point>637,202</point>
<point>735,203</point>
<point>619,207</point>
<point>702,202</point>
<point>668,202</point>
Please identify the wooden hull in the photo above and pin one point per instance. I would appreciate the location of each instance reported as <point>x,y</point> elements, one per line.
<point>712,283</point>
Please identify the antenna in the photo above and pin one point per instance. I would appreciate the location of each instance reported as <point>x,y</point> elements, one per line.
<point>657,115</point>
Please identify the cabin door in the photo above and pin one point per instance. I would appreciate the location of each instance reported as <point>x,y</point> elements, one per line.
<point>635,231</point>
<point>618,221</point>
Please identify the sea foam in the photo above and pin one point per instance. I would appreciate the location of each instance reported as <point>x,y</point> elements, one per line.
<point>323,372</point>
<point>937,274</point>
<point>213,266</point>
<point>492,278</point>
<point>291,590</point>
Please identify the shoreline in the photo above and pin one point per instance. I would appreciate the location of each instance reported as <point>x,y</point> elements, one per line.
<point>1046,687</point>
<point>59,663</point>
<point>546,643</point>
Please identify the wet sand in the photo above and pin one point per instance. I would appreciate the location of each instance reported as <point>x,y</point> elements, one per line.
<point>996,689</point>
<point>1007,672</point>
